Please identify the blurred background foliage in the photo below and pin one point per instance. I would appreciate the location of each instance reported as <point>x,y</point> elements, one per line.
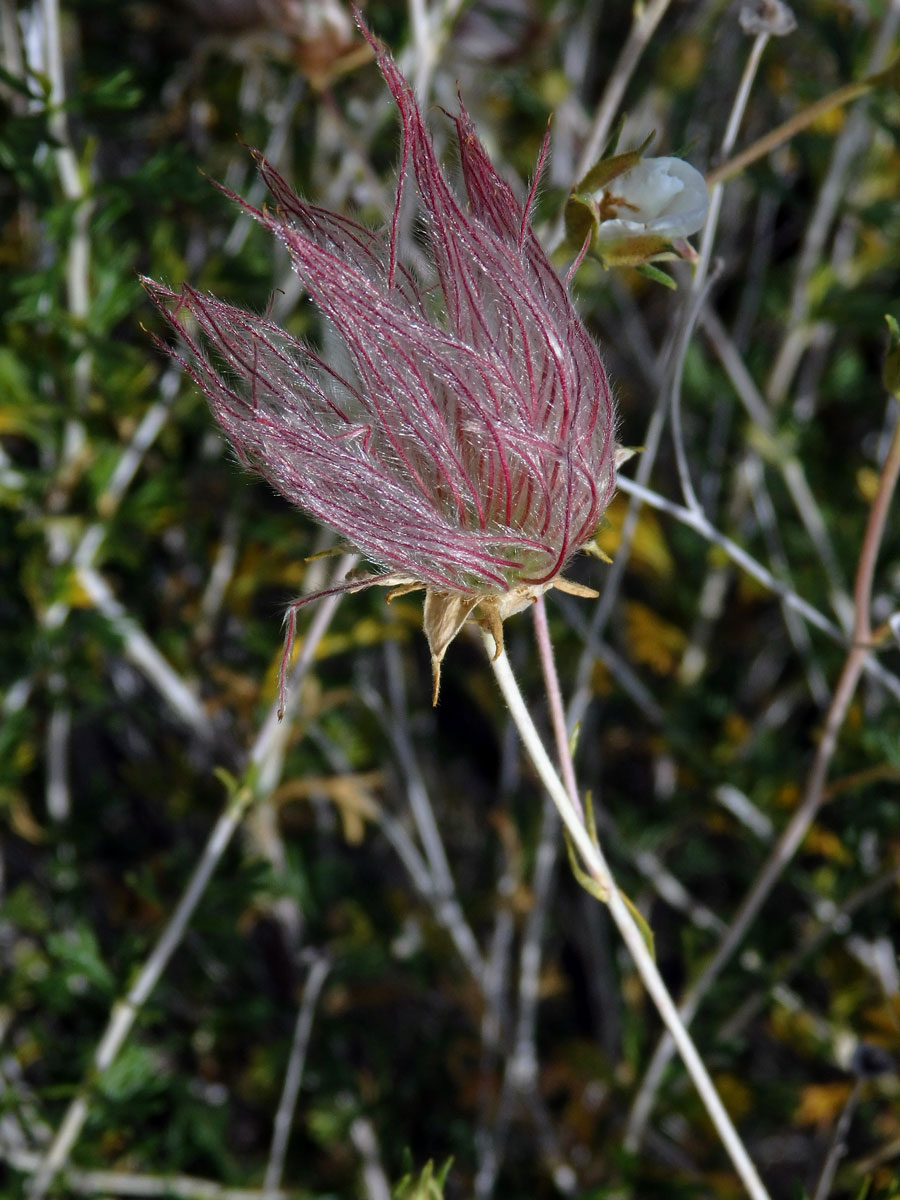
<point>144,576</point>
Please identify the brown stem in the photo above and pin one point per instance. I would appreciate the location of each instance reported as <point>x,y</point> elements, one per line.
<point>791,127</point>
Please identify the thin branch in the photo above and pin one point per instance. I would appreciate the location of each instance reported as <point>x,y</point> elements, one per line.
<point>269,748</point>
<point>852,140</point>
<point>141,651</point>
<point>424,48</point>
<point>830,920</point>
<point>56,754</point>
<point>814,794</point>
<point>554,696</point>
<point>293,1077</point>
<point>88,546</point>
<point>669,396</point>
<point>220,576</point>
<point>788,129</point>
<point>267,756</point>
<point>788,464</point>
<point>754,478</point>
<point>448,917</point>
<point>704,276</point>
<point>443,891</point>
<point>837,1146</point>
<point>521,1067</point>
<point>120,1183</point>
<point>272,152</point>
<point>125,1012</point>
<point>699,523</point>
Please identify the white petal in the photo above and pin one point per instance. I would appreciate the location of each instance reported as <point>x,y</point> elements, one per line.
<point>662,196</point>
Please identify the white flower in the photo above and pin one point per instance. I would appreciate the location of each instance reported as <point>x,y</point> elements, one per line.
<point>662,197</point>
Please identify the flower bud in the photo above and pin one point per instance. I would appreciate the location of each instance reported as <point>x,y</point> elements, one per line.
<point>642,209</point>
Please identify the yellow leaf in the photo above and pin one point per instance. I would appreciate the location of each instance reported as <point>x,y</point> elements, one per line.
<point>882,1021</point>
<point>822,1103</point>
<point>827,844</point>
<point>649,552</point>
<point>830,122</point>
<point>350,794</point>
<point>867,483</point>
<point>736,1095</point>
<point>22,821</point>
<point>601,679</point>
<point>683,62</point>
<point>652,640</point>
<point>788,796</point>
<point>73,594</point>
<point>736,729</point>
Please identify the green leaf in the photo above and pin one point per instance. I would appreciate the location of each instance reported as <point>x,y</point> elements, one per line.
<point>77,954</point>
<point>427,1186</point>
<point>641,922</point>
<point>610,148</point>
<point>597,890</point>
<point>590,885</point>
<point>134,1073</point>
<point>20,85</point>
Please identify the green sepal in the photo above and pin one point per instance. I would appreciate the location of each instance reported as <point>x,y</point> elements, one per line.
<point>610,168</point>
<point>573,739</point>
<point>613,140</point>
<point>650,272</point>
<point>633,251</point>
<point>582,213</point>
<point>581,220</point>
<point>607,169</point>
<point>228,781</point>
<point>240,792</point>
<point>330,552</point>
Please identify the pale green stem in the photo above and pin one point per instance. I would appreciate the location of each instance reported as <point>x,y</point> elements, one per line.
<point>595,863</point>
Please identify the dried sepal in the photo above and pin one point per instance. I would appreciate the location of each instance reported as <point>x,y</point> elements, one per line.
<point>445,613</point>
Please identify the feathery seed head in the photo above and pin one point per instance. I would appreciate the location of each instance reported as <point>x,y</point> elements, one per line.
<point>465,447</point>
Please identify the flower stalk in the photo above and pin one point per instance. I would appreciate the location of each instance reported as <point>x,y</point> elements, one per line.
<point>595,864</point>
